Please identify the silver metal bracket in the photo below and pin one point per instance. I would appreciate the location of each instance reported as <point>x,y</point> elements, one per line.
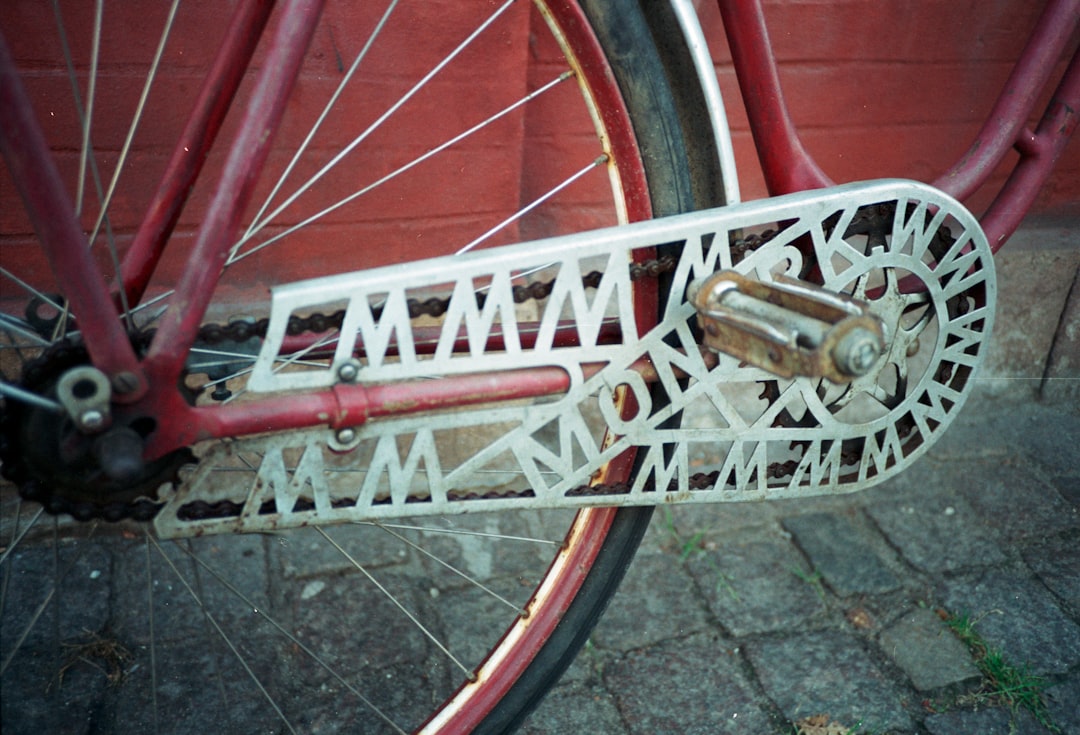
<point>85,393</point>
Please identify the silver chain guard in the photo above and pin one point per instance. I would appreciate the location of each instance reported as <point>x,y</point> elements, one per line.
<point>737,421</point>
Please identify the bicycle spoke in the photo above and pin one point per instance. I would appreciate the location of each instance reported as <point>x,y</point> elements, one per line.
<point>378,123</point>
<point>136,118</point>
<point>322,116</point>
<point>221,633</point>
<point>475,582</point>
<point>600,161</point>
<point>16,539</point>
<point>84,151</point>
<point>397,603</point>
<point>427,141</point>
<point>211,640</point>
<point>8,390</point>
<point>292,638</point>
<point>58,577</point>
<point>150,622</point>
<point>293,359</point>
<point>11,326</point>
<point>48,301</point>
<point>235,255</point>
<point>122,158</point>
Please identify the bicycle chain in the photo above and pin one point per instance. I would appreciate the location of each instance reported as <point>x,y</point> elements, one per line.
<point>42,370</point>
<point>241,330</point>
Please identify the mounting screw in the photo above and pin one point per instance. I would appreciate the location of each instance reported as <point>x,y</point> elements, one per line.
<point>349,371</point>
<point>125,382</point>
<point>345,436</point>
<point>92,420</point>
<point>857,351</point>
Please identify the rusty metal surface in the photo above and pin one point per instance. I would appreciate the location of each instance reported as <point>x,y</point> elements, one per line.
<point>788,327</point>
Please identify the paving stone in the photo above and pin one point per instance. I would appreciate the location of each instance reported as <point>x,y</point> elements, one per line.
<point>1069,487</point>
<point>306,553</point>
<point>580,709</point>
<point>931,656</point>
<point>1056,560</point>
<point>351,624</point>
<point>756,584</point>
<point>366,639</point>
<point>176,578</point>
<point>34,700</point>
<point>80,597</point>
<point>466,615</point>
<point>687,686</point>
<point>829,673</point>
<point>1061,379</point>
<point>655,601</point>
<point>838,551</point>
<point>715,519</point>
<point>1027,318</point>
<point>489,557</point>
<point>937,534</point>
<point>1063,704</point>
<point>1016,502</point>
<point>1014,425</point>
<point>200,689</point>
<point>1016,614</point>
<point>991,721</point>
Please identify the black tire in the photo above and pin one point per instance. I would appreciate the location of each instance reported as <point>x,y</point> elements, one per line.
<point>652,67</point>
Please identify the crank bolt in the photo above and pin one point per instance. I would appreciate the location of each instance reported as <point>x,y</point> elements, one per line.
<point>857,351</point>
<point>349,371</point>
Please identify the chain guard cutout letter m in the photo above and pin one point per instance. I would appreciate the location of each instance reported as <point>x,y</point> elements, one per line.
<point>914,254</point>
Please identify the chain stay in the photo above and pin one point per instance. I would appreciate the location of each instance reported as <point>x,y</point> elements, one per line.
<point>809,437</point>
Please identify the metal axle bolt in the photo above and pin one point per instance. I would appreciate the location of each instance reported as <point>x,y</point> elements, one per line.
<point>857,351</point>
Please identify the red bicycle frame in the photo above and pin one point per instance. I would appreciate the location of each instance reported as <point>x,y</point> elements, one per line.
<point>148,384</point>
<point>788,167</point>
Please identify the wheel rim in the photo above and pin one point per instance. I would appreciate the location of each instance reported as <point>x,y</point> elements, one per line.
<point>589,528</point>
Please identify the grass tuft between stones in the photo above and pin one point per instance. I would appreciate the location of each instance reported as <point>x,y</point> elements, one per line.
<point>1003,682</point>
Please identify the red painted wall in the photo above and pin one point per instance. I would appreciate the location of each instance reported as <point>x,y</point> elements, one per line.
<point>888,88</point>
<point>891,87</point>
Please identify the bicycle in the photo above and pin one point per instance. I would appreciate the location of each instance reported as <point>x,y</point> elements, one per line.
<point>218,415</point>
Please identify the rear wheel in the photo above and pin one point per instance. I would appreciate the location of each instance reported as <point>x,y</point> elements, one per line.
<point>361,628</point>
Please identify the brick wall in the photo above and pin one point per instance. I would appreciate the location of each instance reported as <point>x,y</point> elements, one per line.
<point>892,87</point>
<point>889,88</point>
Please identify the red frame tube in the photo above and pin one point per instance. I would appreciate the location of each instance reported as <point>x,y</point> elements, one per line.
<point>245,29</point>
<point>1003,128</point>
<point>221,225</point>
<point>34,171</point>
<point>1040,150</point>
<point>787,166</point>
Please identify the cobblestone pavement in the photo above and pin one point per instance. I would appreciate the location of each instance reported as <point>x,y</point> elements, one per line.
<point>743,618</point>
<point>751,618</point>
